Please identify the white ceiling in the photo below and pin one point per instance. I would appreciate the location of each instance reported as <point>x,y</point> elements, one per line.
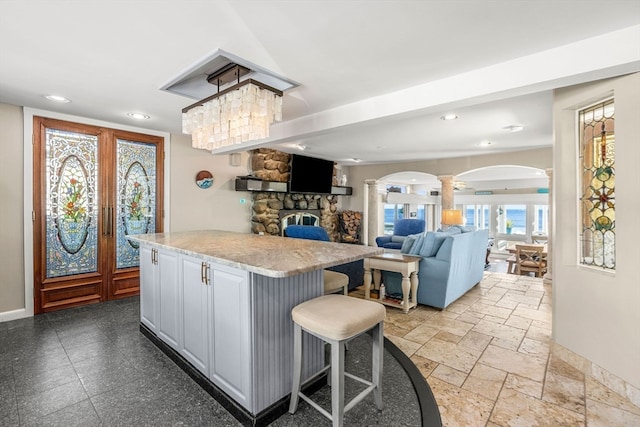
<point>375,76</point>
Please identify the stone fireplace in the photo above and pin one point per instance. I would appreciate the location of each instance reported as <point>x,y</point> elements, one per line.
<point>269,209</point>
<point>272,212</point>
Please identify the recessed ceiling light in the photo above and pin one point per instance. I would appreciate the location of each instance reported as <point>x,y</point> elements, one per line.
<point>356,160</point>
<point>513,128</point>
<point>485,144</point>
<point>301,147</point>
<point>449,116</point>
<point>57,98</point>
<point>138,116</point>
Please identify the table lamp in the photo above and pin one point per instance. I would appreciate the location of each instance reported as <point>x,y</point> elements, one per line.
<point>452,217</point>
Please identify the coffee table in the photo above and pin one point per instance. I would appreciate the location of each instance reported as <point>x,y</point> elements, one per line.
<point>407,265</point>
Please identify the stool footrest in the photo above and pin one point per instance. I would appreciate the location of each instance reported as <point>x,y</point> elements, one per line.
<point>315,405</point>
<point>353,402</point>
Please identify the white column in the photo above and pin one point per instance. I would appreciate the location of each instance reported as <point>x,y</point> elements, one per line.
<point>548,277</point>
<point>447,191</point>
<point>372,211</point>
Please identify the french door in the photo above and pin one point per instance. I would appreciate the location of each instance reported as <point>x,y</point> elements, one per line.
<point>93,186</point>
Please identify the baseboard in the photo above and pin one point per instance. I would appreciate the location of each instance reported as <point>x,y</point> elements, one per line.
<point>14,315</point>
<point>603,376</point>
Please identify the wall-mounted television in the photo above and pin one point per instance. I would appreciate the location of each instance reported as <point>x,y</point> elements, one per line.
<point>310,175</point>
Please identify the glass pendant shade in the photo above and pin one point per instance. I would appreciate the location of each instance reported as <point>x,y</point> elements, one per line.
<point>241,115</point>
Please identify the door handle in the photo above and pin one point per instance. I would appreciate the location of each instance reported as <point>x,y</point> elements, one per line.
<point>204,273</point>
<point>111,221</point>
<point>105,221</point>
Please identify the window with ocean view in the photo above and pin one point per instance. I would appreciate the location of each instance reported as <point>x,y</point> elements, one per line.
<point>515,219</point>
<point>392,213</point>
<point>478,216</point>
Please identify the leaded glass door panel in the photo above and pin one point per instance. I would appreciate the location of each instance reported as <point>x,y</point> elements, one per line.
<point>136,205</point>
<point>92,187</point>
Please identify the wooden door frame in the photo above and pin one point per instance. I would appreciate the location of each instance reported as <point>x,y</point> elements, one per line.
<point>97,286</point>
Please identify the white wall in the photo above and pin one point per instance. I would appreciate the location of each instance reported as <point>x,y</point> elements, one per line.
<point>596,313</point>
<point>219,207</point>
<point>11,210</point>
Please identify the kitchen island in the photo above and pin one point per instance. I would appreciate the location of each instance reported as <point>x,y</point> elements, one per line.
<point>219,303</point>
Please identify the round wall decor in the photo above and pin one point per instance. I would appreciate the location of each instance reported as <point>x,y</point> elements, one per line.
<point>204,179</point>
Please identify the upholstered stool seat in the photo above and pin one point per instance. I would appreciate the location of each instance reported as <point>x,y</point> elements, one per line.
<point>336,319</point>
<point>334,281</point>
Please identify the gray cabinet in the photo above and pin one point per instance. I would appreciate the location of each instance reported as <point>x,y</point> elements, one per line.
<point>230,367</point>
<point>196,295</point>
<point>148,289</point>
<point>169,316</point>
<point>160,305</point>
<point>216,332</point>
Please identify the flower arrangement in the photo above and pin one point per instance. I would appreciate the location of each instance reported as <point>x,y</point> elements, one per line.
<point>73,210</point>
<point>509,223</point>
<point>135,208</point>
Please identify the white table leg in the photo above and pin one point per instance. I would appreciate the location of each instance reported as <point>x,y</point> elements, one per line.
<point>377,278</point>
<point>414,288</point>
<point>406,287</point>
<point>367,282</point>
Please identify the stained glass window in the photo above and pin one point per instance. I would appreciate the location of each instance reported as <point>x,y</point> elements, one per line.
<point>136,198</point>
<point>71,203</point>
<point>597,166</point>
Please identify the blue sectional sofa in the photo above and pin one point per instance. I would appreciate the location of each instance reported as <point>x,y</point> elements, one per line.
<point>452,263</point>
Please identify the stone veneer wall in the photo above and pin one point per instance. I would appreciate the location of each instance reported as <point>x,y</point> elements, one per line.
<point>273,165</point>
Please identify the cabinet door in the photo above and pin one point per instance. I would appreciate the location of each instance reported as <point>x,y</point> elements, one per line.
<point>148,288</point>
<point>169,298</point>
<point>230,367</point>
<point>195,314</point>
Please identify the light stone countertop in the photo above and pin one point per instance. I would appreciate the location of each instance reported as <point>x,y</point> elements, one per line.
<point>270,256</point>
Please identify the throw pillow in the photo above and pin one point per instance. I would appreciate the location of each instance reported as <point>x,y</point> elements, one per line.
<point>432,242</point>
<point>408,243</point>
<point>398,239</point>
<point>417,245</point>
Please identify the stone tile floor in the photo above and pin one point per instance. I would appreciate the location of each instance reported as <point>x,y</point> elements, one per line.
<point>488,360</point>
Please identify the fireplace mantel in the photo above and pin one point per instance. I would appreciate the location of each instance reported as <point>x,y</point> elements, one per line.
<point>257,184</point>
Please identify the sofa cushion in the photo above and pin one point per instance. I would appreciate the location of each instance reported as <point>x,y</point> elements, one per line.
<point>450,230</point>
<point>432,242</point>
<point>398,239</point>
<point>465,228</point>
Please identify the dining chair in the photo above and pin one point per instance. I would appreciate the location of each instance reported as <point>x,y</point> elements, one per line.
<point>529,258</point>
<point>539,238</point>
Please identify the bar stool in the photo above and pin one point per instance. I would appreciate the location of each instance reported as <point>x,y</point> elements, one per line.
<point>335,319</point>
<point>335,281</point>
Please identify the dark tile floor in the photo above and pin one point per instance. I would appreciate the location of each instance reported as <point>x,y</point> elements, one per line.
<point>91,366</point>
